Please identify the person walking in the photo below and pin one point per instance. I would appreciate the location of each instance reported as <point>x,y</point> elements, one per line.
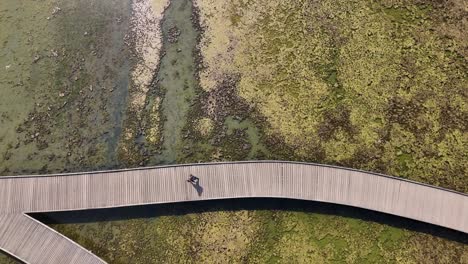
<point>193,179</point>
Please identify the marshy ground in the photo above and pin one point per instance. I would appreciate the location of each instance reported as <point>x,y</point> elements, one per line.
<point>374,85</point>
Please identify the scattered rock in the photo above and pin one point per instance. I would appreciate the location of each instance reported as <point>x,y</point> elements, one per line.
<point>61,94</point>
<point>36,58</point>
<point>54,53</point>
<point>173,34</point>
<point>56,10</point>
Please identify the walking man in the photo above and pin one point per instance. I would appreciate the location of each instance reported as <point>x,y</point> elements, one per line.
<point>193,179</point>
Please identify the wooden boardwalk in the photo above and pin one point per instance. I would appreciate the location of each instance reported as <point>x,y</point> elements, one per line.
<point>33,242</point>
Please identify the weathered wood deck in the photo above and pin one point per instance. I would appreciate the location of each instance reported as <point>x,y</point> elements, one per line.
<point>32,242</point>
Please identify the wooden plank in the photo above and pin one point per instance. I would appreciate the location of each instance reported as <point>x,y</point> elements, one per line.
<point>32,242</point>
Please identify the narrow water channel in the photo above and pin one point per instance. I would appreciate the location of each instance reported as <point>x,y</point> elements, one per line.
<point>176,77</point>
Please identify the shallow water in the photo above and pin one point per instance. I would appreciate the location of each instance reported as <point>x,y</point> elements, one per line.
<point>63,84</point>
<point>176,78</point>
<point>253,135</point>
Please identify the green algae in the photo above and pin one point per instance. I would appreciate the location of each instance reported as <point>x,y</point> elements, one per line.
<point>254,146</point>
<point>63,83</point>
<point>17,54</point>
<point>365,81</point>
<point>176,78</point>
<point>72,86</point>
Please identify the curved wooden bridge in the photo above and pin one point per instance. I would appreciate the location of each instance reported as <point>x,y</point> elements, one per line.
<point>32,242</point>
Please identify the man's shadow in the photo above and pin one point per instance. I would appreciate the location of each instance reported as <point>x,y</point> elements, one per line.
<point>197,186</point>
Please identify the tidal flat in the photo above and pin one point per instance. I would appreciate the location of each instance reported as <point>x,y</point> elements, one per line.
<point>374,85</point>
<point>64,82</point>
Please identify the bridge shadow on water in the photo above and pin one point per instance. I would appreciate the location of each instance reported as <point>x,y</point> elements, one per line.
<point>274,204</point>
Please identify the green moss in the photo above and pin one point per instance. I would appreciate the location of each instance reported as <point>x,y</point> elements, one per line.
<point>364,81</point>
<point>5,259</point>
<point>308,237</point>
<point>409,13</point>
